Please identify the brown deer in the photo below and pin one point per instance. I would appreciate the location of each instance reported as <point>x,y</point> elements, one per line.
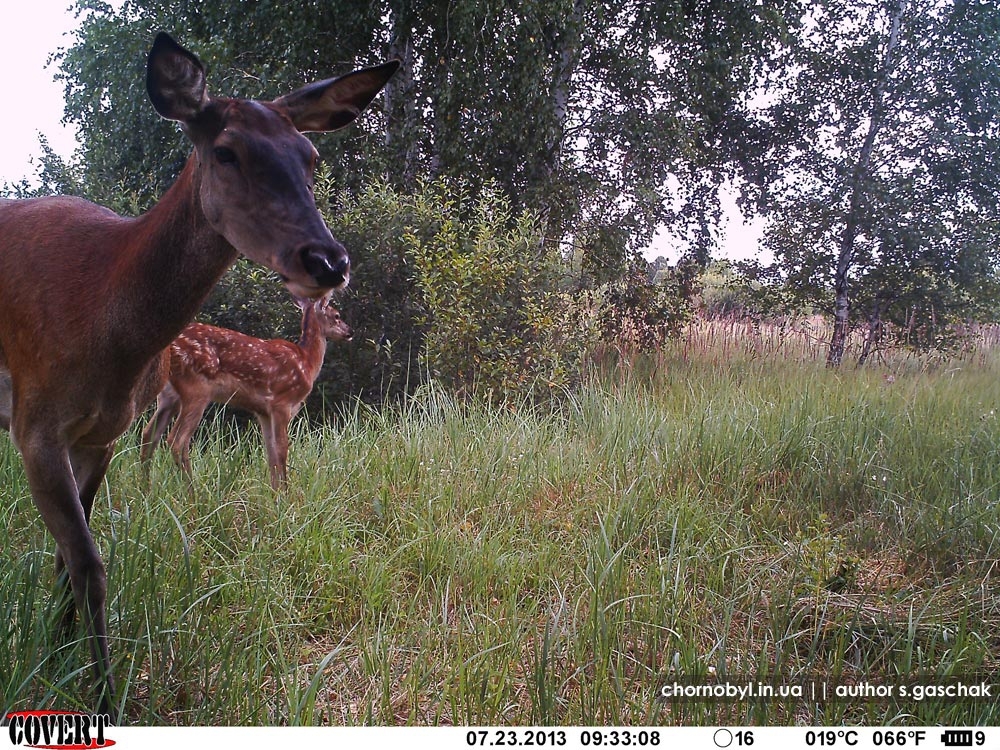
<point>268,378</point>
<point>89,300</point>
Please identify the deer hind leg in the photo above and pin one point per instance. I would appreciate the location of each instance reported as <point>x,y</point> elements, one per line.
<point>191,411</point>
<point>65,509</point>
<point>274,430</point>
<point>6,399</point>
<point>167,405</point>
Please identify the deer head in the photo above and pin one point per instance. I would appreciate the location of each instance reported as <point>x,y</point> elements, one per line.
<point>256,167</point>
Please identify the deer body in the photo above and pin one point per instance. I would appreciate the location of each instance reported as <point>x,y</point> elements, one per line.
<point>269,378</point>
<point>120,371</point>
<point>89,300</point>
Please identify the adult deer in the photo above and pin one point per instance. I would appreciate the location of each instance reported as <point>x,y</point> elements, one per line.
<point>269,378</point>
<point>89,300</point>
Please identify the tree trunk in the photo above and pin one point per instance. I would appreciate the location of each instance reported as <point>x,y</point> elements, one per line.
<point>858,188</point>
<point>438,61</point>
<point>874,335</point>
<point>400,98</point>
<point>562,42</point>
<point>564,47</point>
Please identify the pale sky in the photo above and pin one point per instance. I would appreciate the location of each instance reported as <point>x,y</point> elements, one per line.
<point>31,31</point>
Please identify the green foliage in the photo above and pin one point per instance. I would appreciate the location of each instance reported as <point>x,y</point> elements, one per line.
<point>605,121</point>
<point>257,50</point>
<point>381,303</point>
<point>637,314</point>
<point>252,300</point>
<point>486,283</point>
<point>588,114</point>
<point>454,287</point>
<point>725,291</point>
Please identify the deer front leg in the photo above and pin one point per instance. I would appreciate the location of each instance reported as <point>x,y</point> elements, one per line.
<point>191,411</point>
<point>274,430</point>
<point>54,488</point>
<point>90,465</point>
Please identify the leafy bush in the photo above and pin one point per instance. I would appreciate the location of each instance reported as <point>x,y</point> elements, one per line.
<point>640,314</point>
<point>459,289</point>
<point>251,299</point>
<point>725,292</point>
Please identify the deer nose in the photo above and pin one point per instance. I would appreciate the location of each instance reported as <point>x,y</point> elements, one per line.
<point>327,263</point>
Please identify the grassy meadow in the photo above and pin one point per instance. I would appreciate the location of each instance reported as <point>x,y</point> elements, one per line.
<point>728,508</point>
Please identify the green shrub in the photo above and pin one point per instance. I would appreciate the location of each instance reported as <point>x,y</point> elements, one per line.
<point>489,288</point>
<point>456,287</point>
<point>639,314</point>
<point>250,299</point>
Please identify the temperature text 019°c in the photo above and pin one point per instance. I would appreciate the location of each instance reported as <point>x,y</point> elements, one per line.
<point>831,737</point>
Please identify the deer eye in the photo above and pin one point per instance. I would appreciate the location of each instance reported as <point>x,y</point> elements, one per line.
<point>224,155</point>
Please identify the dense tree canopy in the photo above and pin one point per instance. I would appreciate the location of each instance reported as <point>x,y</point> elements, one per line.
<point>581,110</point>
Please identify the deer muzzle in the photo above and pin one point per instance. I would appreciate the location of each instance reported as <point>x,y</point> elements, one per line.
<point>327,264</point>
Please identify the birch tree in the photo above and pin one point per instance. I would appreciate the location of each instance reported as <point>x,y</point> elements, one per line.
<point>886,178</point>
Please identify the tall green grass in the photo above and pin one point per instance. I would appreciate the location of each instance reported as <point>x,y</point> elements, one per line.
<point>452,562</point>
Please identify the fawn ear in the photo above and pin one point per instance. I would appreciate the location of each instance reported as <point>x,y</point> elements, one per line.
<point>320,303</point>
<point>336,102</point>
<point>175,80</point>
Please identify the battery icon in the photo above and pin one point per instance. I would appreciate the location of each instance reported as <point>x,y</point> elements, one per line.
<point>957,738</point>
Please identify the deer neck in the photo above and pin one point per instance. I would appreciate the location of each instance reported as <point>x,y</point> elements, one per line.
<point>172,264</point>
<point>312,342</point>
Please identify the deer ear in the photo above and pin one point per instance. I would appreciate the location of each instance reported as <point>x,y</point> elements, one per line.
<point>175,80</point>
<point>320,303</point>
<point>336,102</point>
